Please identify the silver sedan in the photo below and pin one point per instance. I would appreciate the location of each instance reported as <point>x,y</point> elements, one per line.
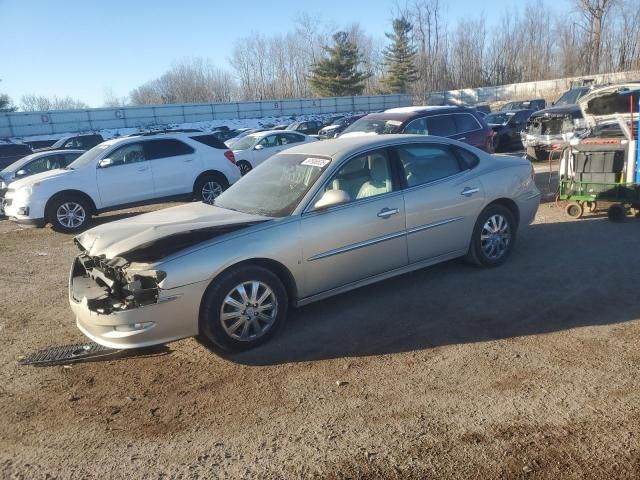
<point>309,223</point>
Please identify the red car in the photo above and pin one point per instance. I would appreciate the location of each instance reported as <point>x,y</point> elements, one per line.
<point>458,123</point>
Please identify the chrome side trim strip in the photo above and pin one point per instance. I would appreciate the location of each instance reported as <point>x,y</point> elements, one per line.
<point>355,246</point>
<point>382,276</point>
<point>433,225</point>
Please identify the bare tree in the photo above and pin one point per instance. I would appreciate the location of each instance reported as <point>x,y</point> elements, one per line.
<point>111,100</point>
<point>39,103</point>
<point>594,12</point>
<point>193,80</point>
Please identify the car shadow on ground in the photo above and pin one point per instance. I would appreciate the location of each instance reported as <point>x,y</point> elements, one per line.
<point>560,276</point>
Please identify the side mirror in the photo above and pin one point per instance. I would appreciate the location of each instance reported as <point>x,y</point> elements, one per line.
<point>21,173</point>
<point>331,198</point>
<point>105,162</point>
<point>258,147</point>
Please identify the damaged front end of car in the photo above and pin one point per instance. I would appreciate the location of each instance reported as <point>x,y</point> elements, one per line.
<point>113,285</point>
<point>551,129</point>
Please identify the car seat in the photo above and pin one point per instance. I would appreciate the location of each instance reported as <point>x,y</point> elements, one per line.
<point>379,179</point>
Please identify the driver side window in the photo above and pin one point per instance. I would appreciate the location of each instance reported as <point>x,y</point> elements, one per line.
<point>132,153</point>
<point>365,176</point>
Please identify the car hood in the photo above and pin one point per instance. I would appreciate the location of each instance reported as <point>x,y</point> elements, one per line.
<point>609,104</point>
<point>41,177</point>
<point>556,111</point>
<point>156,235</point>
<point>328,128</point>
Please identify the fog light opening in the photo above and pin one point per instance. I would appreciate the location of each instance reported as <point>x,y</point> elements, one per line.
<point>132,327</point>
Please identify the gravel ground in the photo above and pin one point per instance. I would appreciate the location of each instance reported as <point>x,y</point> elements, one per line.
<point>525,371</point>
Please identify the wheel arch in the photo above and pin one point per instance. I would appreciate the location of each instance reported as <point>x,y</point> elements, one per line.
<point>210,172</point>
<point>509,205</point>
<point>71,191</point>
<point>274,266</point>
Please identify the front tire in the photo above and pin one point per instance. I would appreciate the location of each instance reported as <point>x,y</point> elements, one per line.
<point>243,308</point>
<point>68,213</point>
<point>493,238</point>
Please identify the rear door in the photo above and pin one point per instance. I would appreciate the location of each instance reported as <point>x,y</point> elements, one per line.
<point>127,179</point>
<point>443,198</point>
<point>174,166</point>
<point>470,130</point>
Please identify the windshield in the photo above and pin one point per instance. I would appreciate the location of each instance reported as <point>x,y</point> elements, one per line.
<point>87,157</point>
<point>244,143</point>
<point>571,97</point>
<point>15,166</point>
<point>374,125</point>
<point>59,143</point>
<point>498,118</point>
<point>292,126</point>
<point>276,187</point>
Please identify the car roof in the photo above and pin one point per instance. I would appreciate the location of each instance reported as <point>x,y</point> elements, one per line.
<point>406,113</point>
<point>339,147</point>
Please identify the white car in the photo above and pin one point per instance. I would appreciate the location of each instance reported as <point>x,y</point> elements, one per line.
<point>252,150</point>
<point>123,172</point>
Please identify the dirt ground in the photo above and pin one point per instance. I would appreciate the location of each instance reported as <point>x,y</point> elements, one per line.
<point>525,371</point>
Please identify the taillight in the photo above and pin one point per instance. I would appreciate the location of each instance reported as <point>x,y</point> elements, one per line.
<point>230,156</point>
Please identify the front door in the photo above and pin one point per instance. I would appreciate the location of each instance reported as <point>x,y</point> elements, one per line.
<point>128,177</point>
<point>360,238</point>
<point>443,198</point>
<point>270,146</point>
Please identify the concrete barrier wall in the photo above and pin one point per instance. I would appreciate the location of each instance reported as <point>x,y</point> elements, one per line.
<point>24,124</point>
<point>542,89</point>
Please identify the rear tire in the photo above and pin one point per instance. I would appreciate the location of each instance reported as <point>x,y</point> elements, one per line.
<point>617,213</point>
<point>244,166</point>
<point>493,238</point>
<point>209,186</point>
<point>234,317</point>
<point>68,213</point>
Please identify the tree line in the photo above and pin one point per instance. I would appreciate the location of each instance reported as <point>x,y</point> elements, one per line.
<point>421,52</point>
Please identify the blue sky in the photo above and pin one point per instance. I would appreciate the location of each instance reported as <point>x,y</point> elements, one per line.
<point>79,48</point>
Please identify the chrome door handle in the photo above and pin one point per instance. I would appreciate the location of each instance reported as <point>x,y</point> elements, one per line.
<point>462,139</point>
<point>468,191</point>
<point>387,212</point>
<point>189,160</point>
<point>142,169</point>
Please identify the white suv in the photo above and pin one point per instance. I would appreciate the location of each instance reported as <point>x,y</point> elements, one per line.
<point>123,172</point>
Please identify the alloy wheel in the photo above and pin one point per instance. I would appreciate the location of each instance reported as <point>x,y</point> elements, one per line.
<point>71,215</point>
<point>248,311</point>
<point>495,236</point>
<point>210,190</point>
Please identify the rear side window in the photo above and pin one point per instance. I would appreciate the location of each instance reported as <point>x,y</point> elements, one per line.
<point>441,125</point>
<point>70,157</point>
<point>166,148</point>
<point>417,127</point>
<point>465,122</point>
<point>210,141</point>
<point>287,138</point>
<point>427,163</point>
<point>469,160</point>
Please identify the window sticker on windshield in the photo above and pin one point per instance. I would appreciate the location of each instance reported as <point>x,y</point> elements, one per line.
<point>316,162</point>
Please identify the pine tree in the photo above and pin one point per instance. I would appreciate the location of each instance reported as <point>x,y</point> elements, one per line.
<point>337,74</point>
<point>399,58</point>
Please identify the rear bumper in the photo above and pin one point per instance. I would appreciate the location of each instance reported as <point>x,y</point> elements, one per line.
<point>528,206</point>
